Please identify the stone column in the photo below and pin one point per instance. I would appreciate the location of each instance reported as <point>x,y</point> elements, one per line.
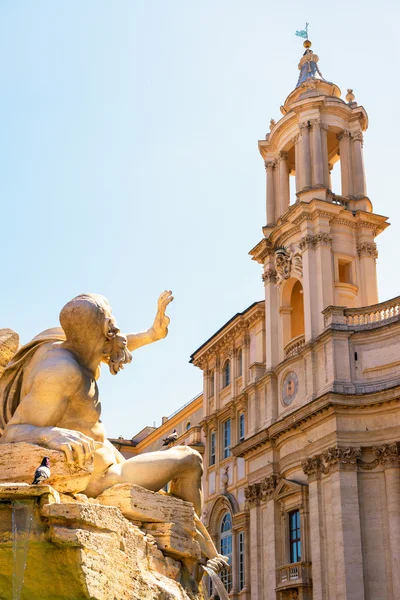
<point>392,482</point>
<point>296,142</point>
<point>271,312</point>
<point>285,329</point>
<point>206,391</point>
<point>284,188</point>
<point>305,158</point>
<point>330,167</point>
<point>345,163</point>
<point>233,359</point>
<point>317,159</point>
<point>367,254</point>
<point>324,146</point>
<point>346,529</point>
<point>271,549</point>
<point>235,563</point>
<point>360,189</point>
<point>217,383</point>
<point>255,550</point>
<point>324,262</point>
<point>246,359</point>
<point>312,468</point>
<point>270,169</point>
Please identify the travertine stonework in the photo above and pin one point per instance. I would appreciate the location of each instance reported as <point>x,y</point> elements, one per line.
<point>82,550</point>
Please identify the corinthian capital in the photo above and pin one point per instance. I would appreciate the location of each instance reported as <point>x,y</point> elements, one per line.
<point>269,275</point>
<point>367,249</point>
<point>358,136</point>
<point>343,134</point>
<point>315,123</point>
<point>269,164</point>
<point>283,156</point>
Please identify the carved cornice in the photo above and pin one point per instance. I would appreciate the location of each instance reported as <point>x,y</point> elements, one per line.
<point>269,276</point>
<point>313,241</point>
<point>261,491</point>
<point>367,249</point>
<point>349,458</point>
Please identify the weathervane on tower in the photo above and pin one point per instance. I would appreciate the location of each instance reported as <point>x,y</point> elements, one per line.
<point>303,32</point>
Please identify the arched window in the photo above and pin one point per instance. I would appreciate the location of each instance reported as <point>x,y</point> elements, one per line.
<point>297,315</point>
<point>226,374</point>
<point>226,549</point>
<point>187,425</point>
<point>240,362</point>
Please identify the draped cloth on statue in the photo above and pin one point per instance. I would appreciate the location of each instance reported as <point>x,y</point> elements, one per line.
<point>11,380</point>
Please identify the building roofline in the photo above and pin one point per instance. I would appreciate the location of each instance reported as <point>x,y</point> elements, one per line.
<point>238,314</point>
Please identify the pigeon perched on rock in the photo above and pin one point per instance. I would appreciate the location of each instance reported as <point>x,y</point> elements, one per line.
<point>43,472</point>
<point>171,438</point>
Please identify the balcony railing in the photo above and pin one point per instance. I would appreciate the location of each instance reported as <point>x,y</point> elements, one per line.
<point>366,315</point>
<point>295,573</point>
<point>294,346</point>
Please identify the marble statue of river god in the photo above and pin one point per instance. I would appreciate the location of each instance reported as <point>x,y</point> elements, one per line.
<point>49,396</point>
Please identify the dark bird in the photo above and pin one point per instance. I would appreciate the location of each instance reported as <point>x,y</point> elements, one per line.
<point>171,438</point>
<point>43,472</point>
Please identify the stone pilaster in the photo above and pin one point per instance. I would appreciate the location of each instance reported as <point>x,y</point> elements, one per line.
<point>360,188</point>
<point>305,157</point>
<point>317,156</point>
<point>346,163</point>
<point>284,189</point>
<point>270,169</point>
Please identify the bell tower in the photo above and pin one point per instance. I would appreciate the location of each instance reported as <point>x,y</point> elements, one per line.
<point>318,248</point>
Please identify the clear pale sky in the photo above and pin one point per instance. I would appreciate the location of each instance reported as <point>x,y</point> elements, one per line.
<point>130,163</point>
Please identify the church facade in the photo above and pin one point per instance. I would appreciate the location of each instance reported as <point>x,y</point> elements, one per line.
<point>299,420</point>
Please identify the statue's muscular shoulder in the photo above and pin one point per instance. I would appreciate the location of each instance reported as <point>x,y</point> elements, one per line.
<point>52,364</point>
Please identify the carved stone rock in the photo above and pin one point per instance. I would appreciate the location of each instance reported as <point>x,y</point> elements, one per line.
<point>88,551</point>
<point>18,463</point>
<point>9,342</point>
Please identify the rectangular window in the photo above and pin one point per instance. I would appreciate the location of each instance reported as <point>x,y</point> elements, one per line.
<point>241,560</point>
<point>344,271</point>
<point>212,448</point>
<point>227,438</point>
<point>294,536</point>
<point>241,427</point>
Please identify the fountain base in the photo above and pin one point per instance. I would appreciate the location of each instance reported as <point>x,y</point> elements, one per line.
<point>80,549</point>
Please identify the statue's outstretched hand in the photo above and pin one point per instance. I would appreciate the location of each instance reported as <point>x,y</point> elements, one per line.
<point>76,445</point>
<point>161,322</point>
<point>218,563</point>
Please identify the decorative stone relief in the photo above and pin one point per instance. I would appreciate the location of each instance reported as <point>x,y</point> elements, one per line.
<point>358,136</point>
<point>367,249</point>
<point>350,458</point>
<point>288,263</point>
<point>321,238</point>
<point>269,275</point>
<point>261,491</point>
<point>345,457</point>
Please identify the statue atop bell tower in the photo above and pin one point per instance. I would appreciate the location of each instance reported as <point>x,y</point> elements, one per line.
<point>318,248</point>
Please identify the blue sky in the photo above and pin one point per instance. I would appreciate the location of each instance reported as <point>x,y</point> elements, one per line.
<point>130,162</point>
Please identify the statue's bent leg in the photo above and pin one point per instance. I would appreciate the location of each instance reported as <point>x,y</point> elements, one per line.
<point>181,465</point>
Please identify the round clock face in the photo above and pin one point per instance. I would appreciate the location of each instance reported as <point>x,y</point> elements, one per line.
<point>289,388</point>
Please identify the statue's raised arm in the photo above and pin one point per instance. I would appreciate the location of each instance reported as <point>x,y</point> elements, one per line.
<point>159,329</point>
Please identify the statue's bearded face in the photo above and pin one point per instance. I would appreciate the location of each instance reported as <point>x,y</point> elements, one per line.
<point>116,353</point>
